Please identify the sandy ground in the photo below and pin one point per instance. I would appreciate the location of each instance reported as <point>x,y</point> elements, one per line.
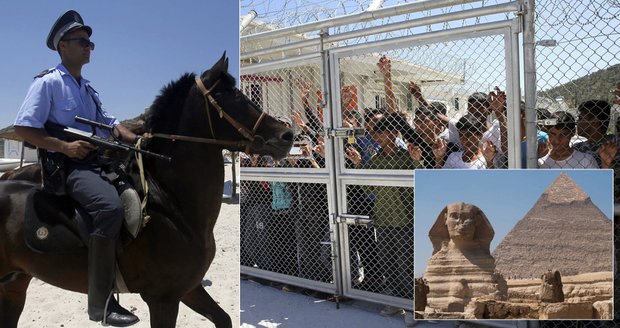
<point>263,306</point>
<point>49,306</point>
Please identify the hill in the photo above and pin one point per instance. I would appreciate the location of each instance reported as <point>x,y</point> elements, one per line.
<point>596,85</point>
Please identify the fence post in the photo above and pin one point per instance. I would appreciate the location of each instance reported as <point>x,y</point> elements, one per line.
<point>529,63</point>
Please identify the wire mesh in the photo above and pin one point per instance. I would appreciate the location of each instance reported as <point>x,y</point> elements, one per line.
<point>576,58</point>
<point>577,47</point>
<point>424,96</point>
<point>294,96</point>
<point>381,254</point>
<point>275,14</point>
<point>285,229</point>
<point>577,78</point>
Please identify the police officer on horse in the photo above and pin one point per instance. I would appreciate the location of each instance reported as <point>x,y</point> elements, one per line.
<point>57,96</point>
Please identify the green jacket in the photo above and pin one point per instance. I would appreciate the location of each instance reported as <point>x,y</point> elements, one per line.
<point>393,205</point>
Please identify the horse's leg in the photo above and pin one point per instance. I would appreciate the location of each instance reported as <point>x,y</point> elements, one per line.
<point>163,314</point>
<point>200,301</point>
<point>12,299</point>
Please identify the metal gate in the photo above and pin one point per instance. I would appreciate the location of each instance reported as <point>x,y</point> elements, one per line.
<point>342,222</point>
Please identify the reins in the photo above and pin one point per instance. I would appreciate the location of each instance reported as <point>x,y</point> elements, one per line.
<point>249,135</point>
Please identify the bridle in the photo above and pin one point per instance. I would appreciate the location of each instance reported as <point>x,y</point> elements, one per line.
<point>251,139</point>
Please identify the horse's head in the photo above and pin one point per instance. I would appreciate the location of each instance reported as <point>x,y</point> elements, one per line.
<point>231,115</point>
<point>210,109</point>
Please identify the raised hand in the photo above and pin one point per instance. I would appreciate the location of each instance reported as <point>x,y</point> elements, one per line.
<point>384,65</point>
<point>497,102</point>
<point>304,87</point>
<point>320,149</point>
<point>298,119</point>
<point>439,149</point>
<point>489,151</point>
<point>415,152</point>
<point>354,156</point>
<point>414,89</point>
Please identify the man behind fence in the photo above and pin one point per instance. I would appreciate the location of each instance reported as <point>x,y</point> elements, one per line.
<point>561,154</point>
<point>393,214</point>
<point>593,123</point>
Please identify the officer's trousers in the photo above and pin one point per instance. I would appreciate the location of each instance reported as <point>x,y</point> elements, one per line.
<point>89,186</point>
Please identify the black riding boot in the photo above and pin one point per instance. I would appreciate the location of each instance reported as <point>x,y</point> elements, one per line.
<point>101,275</point>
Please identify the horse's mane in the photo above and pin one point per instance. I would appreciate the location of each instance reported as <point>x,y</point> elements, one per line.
<point>163,115</point>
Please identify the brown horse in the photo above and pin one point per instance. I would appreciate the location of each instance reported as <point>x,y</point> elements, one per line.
<point>167,261</point>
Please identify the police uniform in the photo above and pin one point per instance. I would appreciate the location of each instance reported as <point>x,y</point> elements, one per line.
<point>56,96</point>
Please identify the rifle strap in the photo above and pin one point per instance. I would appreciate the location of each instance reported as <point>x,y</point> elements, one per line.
<point>145,185</point>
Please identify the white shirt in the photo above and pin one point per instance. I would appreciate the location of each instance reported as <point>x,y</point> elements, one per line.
<point>455,161</point>
<point>451,134</point>
<point>576,160</point>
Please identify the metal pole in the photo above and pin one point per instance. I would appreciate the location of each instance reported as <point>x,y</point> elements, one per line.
<point>513,113</point>
<point>233,157</point>
<point>460,15</point>
<point>21,157</point>
<point>331,165</point>
<point>529,63</point>
<point>432,37</point>
<point>365,16</point>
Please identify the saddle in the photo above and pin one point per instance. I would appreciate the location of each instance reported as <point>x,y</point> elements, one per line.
<point>54,224</point>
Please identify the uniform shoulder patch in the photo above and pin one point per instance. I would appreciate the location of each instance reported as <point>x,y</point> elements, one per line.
<point>44,72</point>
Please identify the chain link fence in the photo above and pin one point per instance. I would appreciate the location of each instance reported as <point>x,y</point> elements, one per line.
<point>577,57</point>
<point>285,229</point>
<point>434,104</point>
<point>293,95</point>
<point>425,96</point>
<point>381,253</point>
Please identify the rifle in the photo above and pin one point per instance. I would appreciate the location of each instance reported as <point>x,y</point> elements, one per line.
<point>67,133</point>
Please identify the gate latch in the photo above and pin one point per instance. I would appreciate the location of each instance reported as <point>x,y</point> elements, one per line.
<point>363,220</point>
<point>349,133</point>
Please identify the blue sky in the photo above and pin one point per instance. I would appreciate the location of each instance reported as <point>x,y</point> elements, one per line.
<point>504,196</point>
<point>140,47</point>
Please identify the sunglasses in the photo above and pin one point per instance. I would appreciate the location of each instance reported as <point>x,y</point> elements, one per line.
<point>83,42</point>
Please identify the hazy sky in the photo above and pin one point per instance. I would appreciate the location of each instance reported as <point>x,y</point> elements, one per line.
<point>140,46</point>
<point>504,196</point>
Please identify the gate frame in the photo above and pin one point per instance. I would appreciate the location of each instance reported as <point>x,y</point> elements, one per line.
<point>298,175</point>
<point>334,174</point>
<point>509,29</point>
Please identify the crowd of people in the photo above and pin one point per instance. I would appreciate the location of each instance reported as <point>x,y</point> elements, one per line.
<point>477,139</point>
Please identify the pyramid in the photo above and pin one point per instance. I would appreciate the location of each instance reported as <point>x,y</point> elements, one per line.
<point>563,231</point>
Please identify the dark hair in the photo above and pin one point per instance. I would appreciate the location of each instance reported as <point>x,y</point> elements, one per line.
<point>425,110</point>
<point>389,122</point>
<point>370,113</point>
<point>543,114</point>
<point>469,123</point>
<point>564,121</point>
<point>477,98</point>
<point>439,107</point>
<point>599,108</point>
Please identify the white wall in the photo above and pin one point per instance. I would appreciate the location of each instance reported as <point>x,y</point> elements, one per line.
<point>13,149</point>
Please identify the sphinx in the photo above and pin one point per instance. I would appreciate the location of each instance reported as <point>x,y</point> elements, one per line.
<point>461,267</point>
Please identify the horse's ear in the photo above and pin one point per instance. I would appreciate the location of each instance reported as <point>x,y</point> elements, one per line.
<point>222,63</point>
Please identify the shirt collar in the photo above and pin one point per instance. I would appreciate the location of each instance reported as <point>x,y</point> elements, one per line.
<point>65,72</point>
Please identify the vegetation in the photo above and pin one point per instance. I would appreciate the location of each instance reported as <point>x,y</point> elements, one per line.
<point>597,85</point>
